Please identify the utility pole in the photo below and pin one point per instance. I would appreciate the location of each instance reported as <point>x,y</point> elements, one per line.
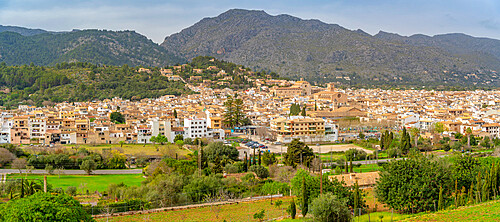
<point>320,171</point>
<point>44,183</point>
<point>199,157</point>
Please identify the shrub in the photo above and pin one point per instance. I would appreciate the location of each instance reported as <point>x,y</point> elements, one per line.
<point>44,207</point>
<point>275,188</point>
<point>328,208</point>
<point>355,154</point>
<point>71,190</point>
<point>261,171</point>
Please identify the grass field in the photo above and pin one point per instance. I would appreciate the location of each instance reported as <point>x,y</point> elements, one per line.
<point>482,212</point>
<point>128,149</point>
<point>234,212</point>
<point>327,157</point>
<point>91,183</point>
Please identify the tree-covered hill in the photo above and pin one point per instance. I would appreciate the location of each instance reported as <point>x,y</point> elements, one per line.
<point>81,82</point>
<point>22,30</point>
<point>322,52</point>
<point>93,46</point>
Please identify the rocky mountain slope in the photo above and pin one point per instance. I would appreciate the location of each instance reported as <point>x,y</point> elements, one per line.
<point>323,52</point>
<point>94,46</point>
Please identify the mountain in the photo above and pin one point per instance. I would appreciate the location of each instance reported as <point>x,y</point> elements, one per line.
<point>322,52</point>
<point>21,30</point>
<point>94,46</point>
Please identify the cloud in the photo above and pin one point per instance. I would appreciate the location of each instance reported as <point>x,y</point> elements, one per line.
<point>490,24</point>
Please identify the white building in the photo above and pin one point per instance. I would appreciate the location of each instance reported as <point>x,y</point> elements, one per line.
<point>6,124</point>
<point>331,132</point>
<point>37,127</point>
<point>196,128</point>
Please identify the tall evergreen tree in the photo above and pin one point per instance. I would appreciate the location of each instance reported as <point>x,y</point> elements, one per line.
<point>305,198</point>
<point>303,113</point>
<point>440,200</point>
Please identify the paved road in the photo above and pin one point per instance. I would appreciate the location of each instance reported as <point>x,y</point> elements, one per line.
<point>317,149</point>
<point>77,172</point>
<point>368,161</point>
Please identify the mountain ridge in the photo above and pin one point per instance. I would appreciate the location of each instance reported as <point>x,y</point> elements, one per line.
<point>92,45</point>
<point>323,52</point>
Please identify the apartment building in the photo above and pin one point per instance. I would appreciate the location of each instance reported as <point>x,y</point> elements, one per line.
<point>195,128</point>
<point>304,128</point>
<point>37,128</point>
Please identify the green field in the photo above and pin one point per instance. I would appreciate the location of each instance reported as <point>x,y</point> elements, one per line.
<point>86,182</point>
<point>234,212</point>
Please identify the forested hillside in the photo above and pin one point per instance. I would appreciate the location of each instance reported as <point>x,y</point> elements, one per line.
<point>81,82</point>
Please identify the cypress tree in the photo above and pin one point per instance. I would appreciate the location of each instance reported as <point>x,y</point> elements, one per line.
<point>478,188</point>
<point>305,198</point>
<point>440,200</point>
<point>245,163</point>
<point>356,197</point>
<point>293,209</point>
<point>382,140</point>
<point>303,113</point>
<point>351,167</point>
<point>260,158</point>
<point>456,194</point>
<point>471,193</point>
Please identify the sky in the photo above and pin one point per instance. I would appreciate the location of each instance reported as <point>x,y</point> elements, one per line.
<point>157,19</point>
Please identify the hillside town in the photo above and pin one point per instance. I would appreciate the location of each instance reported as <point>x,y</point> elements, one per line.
<point>267,106</point>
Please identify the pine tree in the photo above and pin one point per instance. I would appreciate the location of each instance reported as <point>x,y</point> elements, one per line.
<point>175,113</point>
<point>303,113</point>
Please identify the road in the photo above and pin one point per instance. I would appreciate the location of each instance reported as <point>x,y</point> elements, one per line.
<point>363,162</point>
<point>78,172</point>
<point>317,149</point>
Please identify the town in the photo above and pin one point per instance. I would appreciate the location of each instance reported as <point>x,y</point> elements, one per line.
<point>340,111</point>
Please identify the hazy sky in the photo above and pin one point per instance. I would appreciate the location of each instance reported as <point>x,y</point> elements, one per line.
<point>157,19</point>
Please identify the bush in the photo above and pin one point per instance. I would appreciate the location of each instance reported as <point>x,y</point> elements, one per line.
<point>328,208</point>
<point>275,188</point>
<point>44,207</point>
<point>71,190</point>
<point>394,152</point>
<point>355,154</point>
<point>261,171</point>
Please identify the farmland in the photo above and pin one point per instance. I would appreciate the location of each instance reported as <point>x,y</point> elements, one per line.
<point>127,149</point>
<point>85,182</point>
<point>243,211</point>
